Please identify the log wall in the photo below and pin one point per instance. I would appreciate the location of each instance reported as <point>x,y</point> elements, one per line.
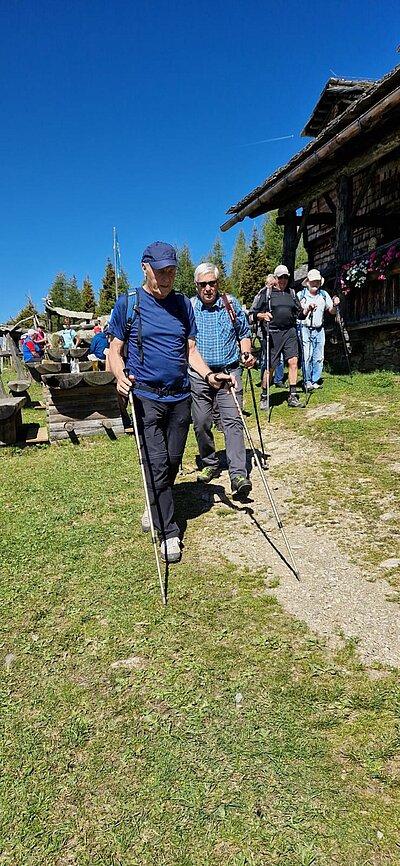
<point>383,193</point>
<point>372,349</point>
<point>82,411</point>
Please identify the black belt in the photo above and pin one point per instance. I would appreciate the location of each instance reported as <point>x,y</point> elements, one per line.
<point>227,368</point>
<point>161,392</point>
<point>314,327</point>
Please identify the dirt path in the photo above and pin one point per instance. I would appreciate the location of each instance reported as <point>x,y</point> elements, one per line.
<point>334,597</point>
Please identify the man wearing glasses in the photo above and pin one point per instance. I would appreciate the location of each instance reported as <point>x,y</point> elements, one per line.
<point>154,348</point>
<point>223,340</point>
<point>281,308</point>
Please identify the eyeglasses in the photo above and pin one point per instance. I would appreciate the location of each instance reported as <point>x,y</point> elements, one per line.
<point>211,283</point>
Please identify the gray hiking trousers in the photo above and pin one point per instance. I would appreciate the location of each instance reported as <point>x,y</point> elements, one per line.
<point>203,399</point>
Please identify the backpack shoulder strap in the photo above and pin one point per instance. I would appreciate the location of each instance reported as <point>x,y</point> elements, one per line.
<point>227,302</point>
<point>131,309</point>
<point>132,313</point>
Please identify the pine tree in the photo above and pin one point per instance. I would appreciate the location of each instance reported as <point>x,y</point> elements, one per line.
<point>107,292</point>
<point>27,312</point>
<point>123,283</point>
<point>301,255</point>
<point>272,240</point>
<point>73,297</point>
<point>254,271</point>
<point>217,256</point>
<point>57,293</point>
<point>184,272</point>
<point>238,263</point>
<point>88,299</point>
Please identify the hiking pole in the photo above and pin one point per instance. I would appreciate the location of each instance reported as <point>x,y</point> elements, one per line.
<point>302,355</point>
<point>250,379</point>
<point>340,323</point>
<point>264,480</point>
<point>146,493</point>
<point>267,366</point>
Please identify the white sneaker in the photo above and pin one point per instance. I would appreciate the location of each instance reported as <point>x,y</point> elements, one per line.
<point>315,386</point>
<point>145,521</point>
<point>309,386</point>
<point>171,550</point>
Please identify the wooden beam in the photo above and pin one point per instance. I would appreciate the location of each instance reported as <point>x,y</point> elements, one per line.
<point>363,189</point>
<point>344,229</point>
<point>289,243</point>
<point>374,155</point>
<point>303,222</point>
<point>376,219</point>
<point>313,219</point>
<point>329,202</point>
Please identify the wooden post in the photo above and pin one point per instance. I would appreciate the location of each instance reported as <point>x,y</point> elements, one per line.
<point>344,229</point>
<point>289,240</point>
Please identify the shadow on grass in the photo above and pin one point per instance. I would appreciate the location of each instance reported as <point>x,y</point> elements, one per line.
<point>193,500</point>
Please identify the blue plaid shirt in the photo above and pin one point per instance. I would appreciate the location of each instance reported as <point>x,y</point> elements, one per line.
<point>217,339</point>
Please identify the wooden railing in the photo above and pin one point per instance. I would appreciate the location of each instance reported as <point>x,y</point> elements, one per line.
<point>377,301</point>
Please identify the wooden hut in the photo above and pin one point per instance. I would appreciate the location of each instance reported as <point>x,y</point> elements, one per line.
<point>341,194</point>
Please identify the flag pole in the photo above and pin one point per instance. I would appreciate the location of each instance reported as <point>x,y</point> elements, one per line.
<point>115,264</point>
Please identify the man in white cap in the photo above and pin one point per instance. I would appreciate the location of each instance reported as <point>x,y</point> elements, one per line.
<point>316,300</point>
<point>281,308</point>
<point>31,351</point>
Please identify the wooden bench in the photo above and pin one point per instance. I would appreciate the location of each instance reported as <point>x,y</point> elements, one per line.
<point>10,419</point>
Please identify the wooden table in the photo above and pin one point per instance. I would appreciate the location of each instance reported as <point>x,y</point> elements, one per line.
<point>81,404</point>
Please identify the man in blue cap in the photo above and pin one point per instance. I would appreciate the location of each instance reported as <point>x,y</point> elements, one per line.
<point>160,343</point>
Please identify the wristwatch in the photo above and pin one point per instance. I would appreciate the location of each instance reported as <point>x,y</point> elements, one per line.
<point>206,377</point>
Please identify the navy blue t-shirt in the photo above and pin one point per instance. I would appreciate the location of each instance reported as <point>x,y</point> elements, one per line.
<point>98,344</point>
<point>166,327</point>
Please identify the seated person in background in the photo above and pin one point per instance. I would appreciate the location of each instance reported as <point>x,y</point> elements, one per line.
<point>31,350</point>
<point>40,338</point>
<point>98,344</point>
<point>68,335</point>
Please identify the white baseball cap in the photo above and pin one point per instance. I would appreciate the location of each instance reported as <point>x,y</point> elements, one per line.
<point>312,276</point>
<point>281,271</point>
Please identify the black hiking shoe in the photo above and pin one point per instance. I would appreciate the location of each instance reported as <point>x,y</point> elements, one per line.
<point>241,485</point>
<point>294,402</point>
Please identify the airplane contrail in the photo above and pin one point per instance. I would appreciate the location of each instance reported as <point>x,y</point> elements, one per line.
<point>267,140</point>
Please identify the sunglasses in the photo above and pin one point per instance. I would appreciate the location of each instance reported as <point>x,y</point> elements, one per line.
<point>211,283</point>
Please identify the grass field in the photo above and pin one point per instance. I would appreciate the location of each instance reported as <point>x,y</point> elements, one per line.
<point>217,731</point>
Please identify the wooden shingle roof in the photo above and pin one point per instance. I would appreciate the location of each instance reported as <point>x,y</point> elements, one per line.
<point>366,101</point>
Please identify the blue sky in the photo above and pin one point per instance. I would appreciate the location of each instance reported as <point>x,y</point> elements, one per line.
<point>142,115</point>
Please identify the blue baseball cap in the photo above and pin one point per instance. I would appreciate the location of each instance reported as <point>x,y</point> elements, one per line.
<point>160,255</point>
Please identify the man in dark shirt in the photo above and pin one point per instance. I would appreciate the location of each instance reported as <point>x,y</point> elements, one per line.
<point>160,343</point>
<point>281,308</point>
